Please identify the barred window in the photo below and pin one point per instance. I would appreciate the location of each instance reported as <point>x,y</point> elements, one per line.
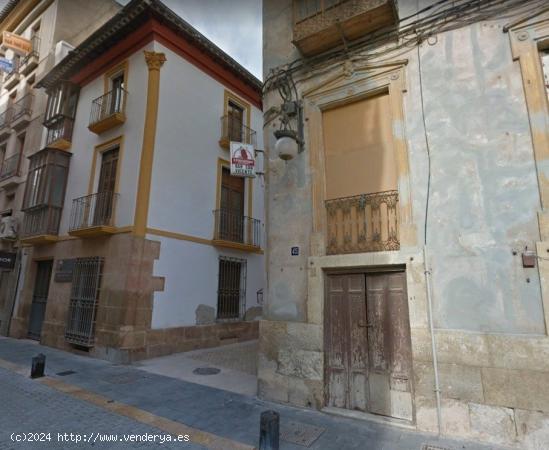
<point>86,286</point>
<point>231,293</point>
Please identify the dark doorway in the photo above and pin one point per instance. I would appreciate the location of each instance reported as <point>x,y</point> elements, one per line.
<point>39,298</point>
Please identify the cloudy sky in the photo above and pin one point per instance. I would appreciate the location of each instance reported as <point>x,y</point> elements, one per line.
<point>233,25</point>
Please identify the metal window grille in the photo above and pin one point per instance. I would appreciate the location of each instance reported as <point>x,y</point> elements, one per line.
<point>231,293</point>
<point>86,284</point>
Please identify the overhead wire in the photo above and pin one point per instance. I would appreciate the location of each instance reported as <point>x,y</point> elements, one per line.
<point>440,19</point>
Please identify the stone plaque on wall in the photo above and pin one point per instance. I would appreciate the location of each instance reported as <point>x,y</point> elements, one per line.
<point>63,270</point>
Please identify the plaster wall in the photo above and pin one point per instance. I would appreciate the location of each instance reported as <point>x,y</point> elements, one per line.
<point>191,273</point>
<point>184,191</point>
<point>484,196</point>
<point>84,142</point>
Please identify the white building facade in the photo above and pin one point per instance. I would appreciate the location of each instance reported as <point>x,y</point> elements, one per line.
<point>151,216</point>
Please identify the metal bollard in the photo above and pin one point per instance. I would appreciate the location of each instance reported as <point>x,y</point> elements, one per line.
<point>269,429</point>
<point>38,366</point>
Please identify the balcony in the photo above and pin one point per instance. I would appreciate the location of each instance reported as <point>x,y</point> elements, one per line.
<point>93,215</point>
<point>22,111</point>
<point>108,111</point>
<point>233,129</point>
<point>59,132</point>
<point>11,79</point>
<point>10,171</point>
<point>323,24</point>
<point>363,223</point>
<point>5,123</point>
<point>236,231</point>
<point>41,224</point>
<point>31,60</point>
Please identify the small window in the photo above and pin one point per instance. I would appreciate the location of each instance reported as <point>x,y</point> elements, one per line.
<point>117,92</point>
<point>231,293</point>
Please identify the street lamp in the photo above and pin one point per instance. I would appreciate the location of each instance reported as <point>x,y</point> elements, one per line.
<point>289,143</point>
<point>286,146</point>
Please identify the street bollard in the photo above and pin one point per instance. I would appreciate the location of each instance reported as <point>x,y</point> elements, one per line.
<point>269,429</point>
<point>38,366</point>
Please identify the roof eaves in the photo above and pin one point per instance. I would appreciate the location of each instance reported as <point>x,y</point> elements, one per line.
<point>124,17</point>
<point>7,9</point>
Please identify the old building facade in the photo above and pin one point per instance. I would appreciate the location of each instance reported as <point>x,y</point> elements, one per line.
<point>407,264</point>
<point>139,237</point>
<point>52,27</point>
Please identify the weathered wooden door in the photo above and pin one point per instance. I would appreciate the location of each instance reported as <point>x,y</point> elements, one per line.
<point>345,342</point>
<point>367,342</point>
<point>389,345</point>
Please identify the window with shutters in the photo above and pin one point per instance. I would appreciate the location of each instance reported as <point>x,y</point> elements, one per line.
<point>234,226</point>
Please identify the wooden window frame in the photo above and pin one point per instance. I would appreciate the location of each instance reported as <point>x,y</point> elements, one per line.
<point>43,162</point>
<point>123,68</point>
<point>248,188</point>
<point>97,153</point>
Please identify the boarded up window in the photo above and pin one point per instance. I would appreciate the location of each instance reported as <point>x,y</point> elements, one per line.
<point>358,144</point>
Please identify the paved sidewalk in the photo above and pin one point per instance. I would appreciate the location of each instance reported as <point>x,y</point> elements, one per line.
<point>236,362</point>
<point>219,412</point>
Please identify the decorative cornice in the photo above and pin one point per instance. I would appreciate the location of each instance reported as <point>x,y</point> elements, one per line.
<point>154,60</point>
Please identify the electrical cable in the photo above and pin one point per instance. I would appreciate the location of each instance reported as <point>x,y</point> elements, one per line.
<point>437,21</point>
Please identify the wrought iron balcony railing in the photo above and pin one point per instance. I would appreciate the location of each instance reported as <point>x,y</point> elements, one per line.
<point>41,220</point>
<point>5,118</point>
<point>232,227</point>
<point>232,129</point>
<point>363,223</point>
<point>10,167</point>
<point>34,53</point>
<point>59,128</point>
<point>109,104</point>
<point>22,107</point>
<point>94,210</point>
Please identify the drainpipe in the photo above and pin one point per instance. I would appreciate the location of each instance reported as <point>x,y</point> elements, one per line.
<point>433,343</point>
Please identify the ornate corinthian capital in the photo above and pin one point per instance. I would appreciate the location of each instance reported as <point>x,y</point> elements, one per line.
<point>154,60</point>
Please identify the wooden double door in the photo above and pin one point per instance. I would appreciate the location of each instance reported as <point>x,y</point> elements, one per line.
<point>368,359</point>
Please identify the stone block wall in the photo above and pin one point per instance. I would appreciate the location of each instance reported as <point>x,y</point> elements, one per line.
<point>123,322</point>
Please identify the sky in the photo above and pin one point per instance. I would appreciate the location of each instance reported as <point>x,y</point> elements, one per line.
<point>233,25</point>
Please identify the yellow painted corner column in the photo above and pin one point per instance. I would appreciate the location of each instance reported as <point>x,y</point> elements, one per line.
<point>154,62</point>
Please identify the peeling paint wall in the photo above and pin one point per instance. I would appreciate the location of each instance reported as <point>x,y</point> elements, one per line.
<point>484,210</point>
<point>484,195</point>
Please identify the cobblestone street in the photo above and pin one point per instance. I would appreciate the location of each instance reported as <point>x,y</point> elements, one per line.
<point>107,399</point>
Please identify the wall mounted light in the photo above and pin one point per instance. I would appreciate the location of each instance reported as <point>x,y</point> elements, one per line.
<point>289,142</point>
